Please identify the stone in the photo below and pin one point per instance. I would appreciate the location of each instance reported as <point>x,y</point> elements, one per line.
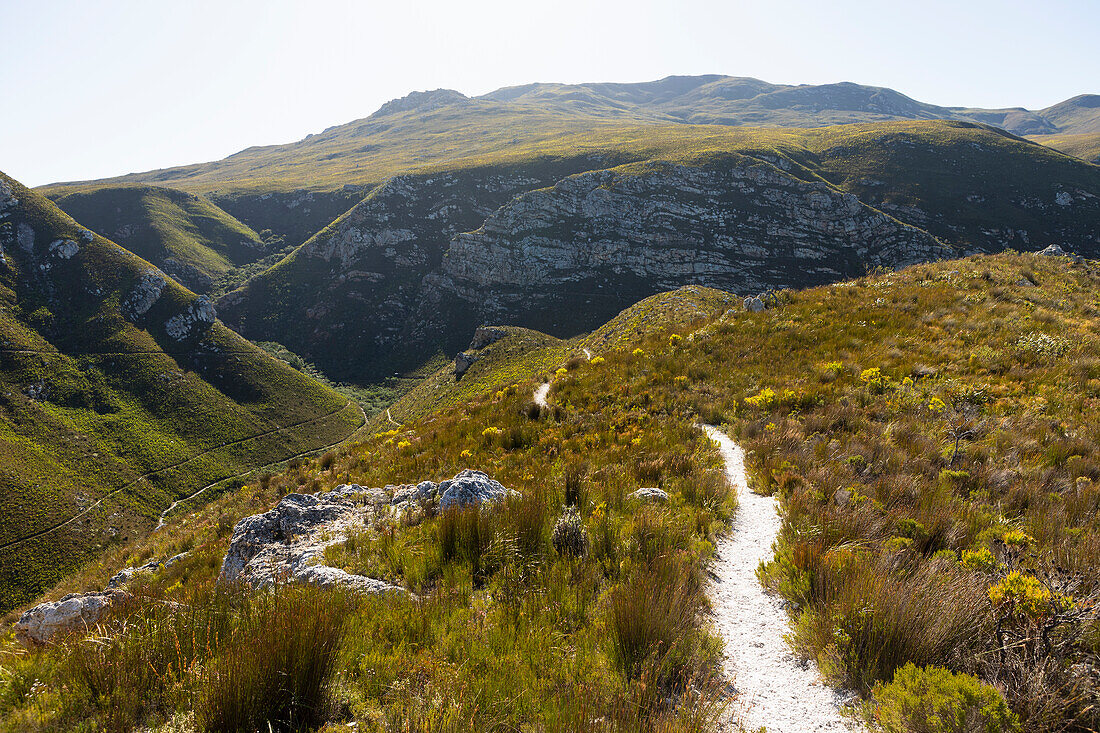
<point>486,335</point>
<point>463,362</point>
<point>147,291</point>
<point>842,497</point>
<point>74,612</point>
<point>649,494</point>
<point>287,544</point>
<point>124,576</point>
<point>471,488</point>
<point>754,304</point>
<point>1053,251</point>
<point>175,559</point>
<point>200,313</point>
<point>64,248</point>
<point>420,492</point>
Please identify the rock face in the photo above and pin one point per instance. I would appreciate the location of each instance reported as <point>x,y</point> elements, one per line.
<point>737,225</point>
<point>563,246</point>
<point>484,336</point>
<point>287,543</point>
<point>74,612</point>
<point>147,291</point>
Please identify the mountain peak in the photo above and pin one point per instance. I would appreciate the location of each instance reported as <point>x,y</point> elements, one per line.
<point>421,102</point>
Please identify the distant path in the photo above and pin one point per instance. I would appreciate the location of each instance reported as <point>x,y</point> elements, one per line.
<point>774,689</point>
<point>174,504</point>
<point>184,462</point>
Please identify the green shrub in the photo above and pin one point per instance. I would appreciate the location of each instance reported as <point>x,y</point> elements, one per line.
<point>273,671</point>
<point>569,537</point>
<point>936,700</point>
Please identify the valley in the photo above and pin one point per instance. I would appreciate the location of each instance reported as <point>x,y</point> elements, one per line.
<point>695,405</point>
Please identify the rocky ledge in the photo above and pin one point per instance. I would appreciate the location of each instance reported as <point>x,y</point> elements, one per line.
<point>41,624</point>
<point>287,544</point>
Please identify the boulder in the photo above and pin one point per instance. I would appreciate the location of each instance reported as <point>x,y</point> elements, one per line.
<point>754,304</point>
<point>486,335</point>
<point>124,576</point>
<point>76,611</point>
<point>64,248</point>
<point>287,544</point>
<point>1053,251</point>
<point>471,488</point>
<point>464,361</point>
<point>419,492</point>
<point>297,516</point>
<point>649,494</point>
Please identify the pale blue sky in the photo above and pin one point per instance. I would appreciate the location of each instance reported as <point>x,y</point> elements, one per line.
<point>94,88</point>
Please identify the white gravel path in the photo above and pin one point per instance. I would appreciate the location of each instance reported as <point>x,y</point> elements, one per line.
<point>774,690</point>
<point>541,394</point>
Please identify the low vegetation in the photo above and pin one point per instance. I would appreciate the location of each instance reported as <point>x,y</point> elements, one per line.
<point>930,433</point>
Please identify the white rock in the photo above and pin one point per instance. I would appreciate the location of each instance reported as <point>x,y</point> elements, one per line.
<point>649,494</point>
<point>64,248</point>
<point>471,488</point>
<point>77,611</point>
<point>147,291</point>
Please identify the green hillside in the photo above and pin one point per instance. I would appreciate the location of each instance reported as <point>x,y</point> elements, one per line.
<point>184,235</point>
<point>120,393</point>
<point>931,434</point>
<point>1085,146</point>
<point>387,285</point>
<point>441,127</point>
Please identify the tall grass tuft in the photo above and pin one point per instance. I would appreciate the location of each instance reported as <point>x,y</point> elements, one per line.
<point>273,670</point>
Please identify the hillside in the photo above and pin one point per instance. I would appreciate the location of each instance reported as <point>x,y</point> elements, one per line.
<point>443,126</point>
<point>561,244</point>
<point>121,392</point>
<point>501,356</point>
<point>930,433</point>
<point>184,235</point>
<point>1085,146</point>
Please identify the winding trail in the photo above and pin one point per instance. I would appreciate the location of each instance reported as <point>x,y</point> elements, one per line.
<point>179,464</point>
<point>774,690</point>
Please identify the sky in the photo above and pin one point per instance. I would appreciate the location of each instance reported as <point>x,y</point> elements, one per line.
<point>96,88</point>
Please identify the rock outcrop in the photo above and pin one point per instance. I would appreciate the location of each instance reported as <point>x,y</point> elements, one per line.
<point>196,318</point>
<point>288,543</point>
<point>463,362</point>
<point>75,612</point>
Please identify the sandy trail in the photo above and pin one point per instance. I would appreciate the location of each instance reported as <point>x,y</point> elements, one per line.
<point>541,394</point>
<point>774,689</point>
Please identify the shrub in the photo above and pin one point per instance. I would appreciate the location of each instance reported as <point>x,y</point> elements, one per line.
<point>936,700</point>
<point>569,537</point>
<point>273,670</point>
<point>652,619</point>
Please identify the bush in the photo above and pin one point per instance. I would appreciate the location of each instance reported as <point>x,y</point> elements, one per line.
<point>569,537</point>
<point>274,670</point>
<point>652,620</point>
<point>936,700</point>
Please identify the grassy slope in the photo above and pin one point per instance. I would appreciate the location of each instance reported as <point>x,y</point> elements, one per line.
<point>524,354</point>
<point>1085,146</point>
<point>970,185</point>
<point>185,235</point>
<point>369,150</point>
<point>886,533</point>
<point>94,406</point>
